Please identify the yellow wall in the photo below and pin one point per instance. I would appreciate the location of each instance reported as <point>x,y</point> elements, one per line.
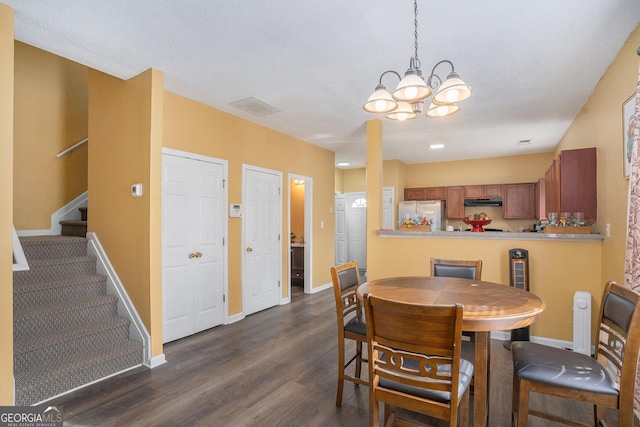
<point>6,207</point>
<point>125,130</point>
<point>297,209</point>
<point>599,124</point>
<point>194,127</point>
<point>50,116</point>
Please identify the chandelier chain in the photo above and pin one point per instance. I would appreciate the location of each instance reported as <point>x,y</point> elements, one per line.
<point>415,33</point>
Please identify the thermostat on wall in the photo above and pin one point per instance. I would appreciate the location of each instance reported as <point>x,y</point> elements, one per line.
<point>235,211</point>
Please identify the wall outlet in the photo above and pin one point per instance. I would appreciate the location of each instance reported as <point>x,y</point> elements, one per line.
<point>607,230</point>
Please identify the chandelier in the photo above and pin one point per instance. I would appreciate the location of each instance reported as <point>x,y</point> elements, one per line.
<point>409,97</point>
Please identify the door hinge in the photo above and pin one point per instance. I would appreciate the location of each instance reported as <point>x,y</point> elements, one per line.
<point>224,182</point>
<point>278,283</point>
<point>278,237</point>
<point>279,191</point>
<point>224,298</point>
<point>223,241</point>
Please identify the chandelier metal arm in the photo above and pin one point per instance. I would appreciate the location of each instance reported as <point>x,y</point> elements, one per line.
<point>388,71</point>
<point>430,82</point>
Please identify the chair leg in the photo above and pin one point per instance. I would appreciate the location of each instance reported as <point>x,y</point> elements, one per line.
<point>523,404</point>
<point>464,409</point>
<point>358,359</point>
<point>390,415</point>
<point>374,411</point>
<point>340,371</point>
<point>514,401</point>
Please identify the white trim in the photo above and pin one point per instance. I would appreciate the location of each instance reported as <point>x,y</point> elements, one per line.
<point>126,308</point>
<point>21,263</point>
<point>308,232</point>
<point>156,361</point>
<point>236,318</point>
<point>321,288</point>
<point>23,233</point>
<point>68,212</point>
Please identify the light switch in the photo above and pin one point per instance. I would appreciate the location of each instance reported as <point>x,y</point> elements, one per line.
<point>321,224</point>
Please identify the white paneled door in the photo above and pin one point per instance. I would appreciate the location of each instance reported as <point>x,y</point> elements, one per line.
<point>193,227</point>
<point>341,230</point>
<point>262,244</point>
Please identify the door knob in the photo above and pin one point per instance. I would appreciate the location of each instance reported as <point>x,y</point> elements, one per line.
<point>193,255</point>
<point>249,249</point>
<point>198,255</point>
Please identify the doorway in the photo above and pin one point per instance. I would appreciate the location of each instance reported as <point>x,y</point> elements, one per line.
<point>300,196</point>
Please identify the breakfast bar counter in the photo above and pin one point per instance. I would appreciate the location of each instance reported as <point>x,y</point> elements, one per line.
<point>491,235</point>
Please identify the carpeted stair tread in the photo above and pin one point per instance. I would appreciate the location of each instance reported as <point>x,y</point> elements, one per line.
<point>47,269</point>
<point>64,344</point>
<point>42,293</point>
<point>36,247</point>
<point>38,321</point>
<point>85,367</point>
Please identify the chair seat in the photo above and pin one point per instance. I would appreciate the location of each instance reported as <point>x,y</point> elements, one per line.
<point>562,368</point>
<point>466,374</point>
<point>357,325</point>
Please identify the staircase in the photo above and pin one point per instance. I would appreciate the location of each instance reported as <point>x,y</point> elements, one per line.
<point>66,329</point>
<point>75,228</point>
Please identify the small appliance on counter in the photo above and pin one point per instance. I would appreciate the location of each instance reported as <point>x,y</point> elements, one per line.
<point>433,210</point>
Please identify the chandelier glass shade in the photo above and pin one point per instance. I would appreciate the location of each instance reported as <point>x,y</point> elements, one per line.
<point>407,100</point>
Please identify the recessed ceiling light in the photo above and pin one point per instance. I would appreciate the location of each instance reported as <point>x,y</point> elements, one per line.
<point>436,146</point>
<point>343,163</point>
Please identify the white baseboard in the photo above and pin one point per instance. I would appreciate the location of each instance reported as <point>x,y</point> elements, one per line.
<point>23,233</point>
<point>156,361</point>
<point>321,288</point>
<point>235,318</point>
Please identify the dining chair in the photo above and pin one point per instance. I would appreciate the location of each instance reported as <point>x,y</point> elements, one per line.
<point>415,361</point>
<point>605,379</point>
<point>351,323</point>
<point>465,270</point>
<point>456,268</point>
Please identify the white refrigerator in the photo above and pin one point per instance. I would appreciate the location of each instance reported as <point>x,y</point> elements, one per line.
<point>432,209</point>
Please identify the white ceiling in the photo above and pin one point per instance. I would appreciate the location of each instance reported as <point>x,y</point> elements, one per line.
<point>532,64</point>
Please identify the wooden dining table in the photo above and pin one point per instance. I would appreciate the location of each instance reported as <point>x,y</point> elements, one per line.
<point>488,307</point>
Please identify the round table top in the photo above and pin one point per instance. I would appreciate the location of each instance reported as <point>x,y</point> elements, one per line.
<point>488,306</point>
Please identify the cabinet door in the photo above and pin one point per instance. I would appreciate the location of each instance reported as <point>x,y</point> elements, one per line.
<point>473,191</point>
<point>435,193</point>
<point>541,211</point>
<point>455,202</point>
<point>492,190</point>
<point>415,194</point>
<point>578,181</point>
<point>519,201</point>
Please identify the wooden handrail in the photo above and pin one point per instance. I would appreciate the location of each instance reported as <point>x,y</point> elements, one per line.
<point>73,147</point>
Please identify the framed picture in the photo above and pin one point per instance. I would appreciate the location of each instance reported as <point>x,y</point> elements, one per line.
<point>629,126</point>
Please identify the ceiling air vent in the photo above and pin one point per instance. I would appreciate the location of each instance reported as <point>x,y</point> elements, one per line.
<point>255,106</point>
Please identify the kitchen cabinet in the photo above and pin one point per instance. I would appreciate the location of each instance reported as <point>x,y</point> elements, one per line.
<point>297,265</point>
<point>425,193</point>
<point>455,202</point>
<point>571,183</point>
<point>482,191</point>
<point>415,193</point>
<point>519,201</point>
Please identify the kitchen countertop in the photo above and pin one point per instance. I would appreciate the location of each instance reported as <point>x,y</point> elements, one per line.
<point>494,235</point>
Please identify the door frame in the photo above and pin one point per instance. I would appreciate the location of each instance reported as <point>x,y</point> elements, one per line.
<point>308,234</point>
<point>225,219</point>
<point>246,167</point>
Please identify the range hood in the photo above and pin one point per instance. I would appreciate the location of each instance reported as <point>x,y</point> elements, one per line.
<point>493,201</point>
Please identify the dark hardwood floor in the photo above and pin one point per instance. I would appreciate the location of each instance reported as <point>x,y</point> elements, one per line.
<point>274,368</point>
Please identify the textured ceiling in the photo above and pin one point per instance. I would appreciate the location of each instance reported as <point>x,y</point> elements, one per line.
<point>532,64</point>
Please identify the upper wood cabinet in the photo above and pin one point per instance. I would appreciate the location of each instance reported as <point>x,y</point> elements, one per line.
<point>482,191</point>
<point>571,183</point>
<point>425,193</point>
<point>415,193</point>
<point>541,210</point>
<point>519,201</point>
<point>455,202</point>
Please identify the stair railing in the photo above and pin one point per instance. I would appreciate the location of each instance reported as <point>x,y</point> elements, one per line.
<point>19,260</point>
<point>73,147</point>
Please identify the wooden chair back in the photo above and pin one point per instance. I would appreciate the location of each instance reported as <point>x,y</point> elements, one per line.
<point>414,359</point>
<point>346,279</point>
